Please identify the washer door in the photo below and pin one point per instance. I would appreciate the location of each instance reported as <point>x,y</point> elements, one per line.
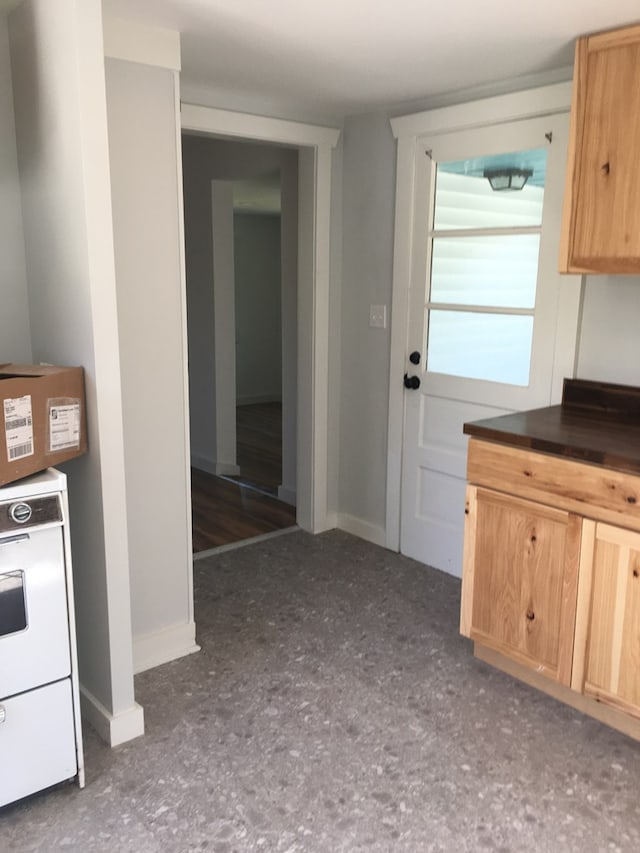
<point>34,625</point>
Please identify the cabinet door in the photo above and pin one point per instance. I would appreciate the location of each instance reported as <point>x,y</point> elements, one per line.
<point>607,663</point>
<point>601,227</point>
<point>520,580</point>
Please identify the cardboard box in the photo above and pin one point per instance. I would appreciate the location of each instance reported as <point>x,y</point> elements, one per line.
<point>42,418</point>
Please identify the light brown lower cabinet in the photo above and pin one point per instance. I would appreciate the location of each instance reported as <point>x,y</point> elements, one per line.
<point>523,564</point>
<point>607,656</point>
<point>553,597</point>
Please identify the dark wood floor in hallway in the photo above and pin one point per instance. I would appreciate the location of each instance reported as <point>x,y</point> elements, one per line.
<point>225,509</point>
<point>225,512</point>
<point>259,445</point>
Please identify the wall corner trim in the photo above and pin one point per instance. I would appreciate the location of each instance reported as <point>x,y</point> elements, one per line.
<point>114,729</point>
<point>146,45</point>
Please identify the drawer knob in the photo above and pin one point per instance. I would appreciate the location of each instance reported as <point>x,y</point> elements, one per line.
<point>531,615</point>
<point>3,713</point>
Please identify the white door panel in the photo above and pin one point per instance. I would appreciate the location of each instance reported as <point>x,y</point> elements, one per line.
<point>443,445</point>
<point>435,487</point>
<point>439,519</point>
<point>434,446</point>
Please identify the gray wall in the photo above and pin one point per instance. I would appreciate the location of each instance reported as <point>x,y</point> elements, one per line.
<point>59,96</point>
<point>146,203</point>
<point>367,252</point>
<point>15,334</point>
<point>256,240</point>
<point>609,346</point>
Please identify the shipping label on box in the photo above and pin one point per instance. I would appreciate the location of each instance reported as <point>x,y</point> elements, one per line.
<point>18,427</point>
<point>64,424</point>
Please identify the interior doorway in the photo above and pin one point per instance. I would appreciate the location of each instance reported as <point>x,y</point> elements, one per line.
<point>241,227</point>
<point>314,145</point>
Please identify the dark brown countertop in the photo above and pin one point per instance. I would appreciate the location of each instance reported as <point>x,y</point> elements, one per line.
<point>597,423</point>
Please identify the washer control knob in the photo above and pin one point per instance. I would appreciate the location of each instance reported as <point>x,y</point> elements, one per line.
<point>20,512</point>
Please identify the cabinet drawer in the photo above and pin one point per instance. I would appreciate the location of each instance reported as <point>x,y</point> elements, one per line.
<point>37,741</point>
<point>590,490</point>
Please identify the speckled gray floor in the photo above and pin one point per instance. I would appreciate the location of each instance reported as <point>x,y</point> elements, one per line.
<point>334,708</point>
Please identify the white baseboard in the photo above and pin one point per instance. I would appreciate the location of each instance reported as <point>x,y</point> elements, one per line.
<point>114,729</point>
<point>160,647</point>
<point>259,398</point>
<point>287,495</point>
<point>374,533</point>
<point>210,466</point>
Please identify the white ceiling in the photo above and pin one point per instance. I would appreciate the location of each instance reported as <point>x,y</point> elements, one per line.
<point>339,57</point>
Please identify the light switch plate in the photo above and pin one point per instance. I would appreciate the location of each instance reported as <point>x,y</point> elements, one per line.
<point>378,316</point>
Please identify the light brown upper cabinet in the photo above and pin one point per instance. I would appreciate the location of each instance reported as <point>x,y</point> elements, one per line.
<point>601,220</point>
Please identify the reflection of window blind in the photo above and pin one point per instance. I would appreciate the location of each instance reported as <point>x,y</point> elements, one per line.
<point>495,347</point>
<point>469,202</point>
<point>492,270</point>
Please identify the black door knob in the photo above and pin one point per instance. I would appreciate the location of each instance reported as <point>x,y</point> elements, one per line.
<point>411,382</point>
<point>414,358</point>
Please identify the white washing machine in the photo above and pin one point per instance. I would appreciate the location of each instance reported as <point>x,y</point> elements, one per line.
<point>40,732</point>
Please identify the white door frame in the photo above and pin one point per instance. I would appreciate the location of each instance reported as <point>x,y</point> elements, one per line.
<point>316,144</point>
<point>408,130</point>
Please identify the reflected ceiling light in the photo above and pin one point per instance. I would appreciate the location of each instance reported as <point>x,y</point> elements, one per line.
<point>505,180</point>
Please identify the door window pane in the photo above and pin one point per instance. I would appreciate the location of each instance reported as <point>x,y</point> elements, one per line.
<point>495,347</point>
<point>465,198</point>
<point>498,271</point>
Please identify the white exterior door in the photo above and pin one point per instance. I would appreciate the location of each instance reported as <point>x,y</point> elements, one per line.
<point>488,323</point>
